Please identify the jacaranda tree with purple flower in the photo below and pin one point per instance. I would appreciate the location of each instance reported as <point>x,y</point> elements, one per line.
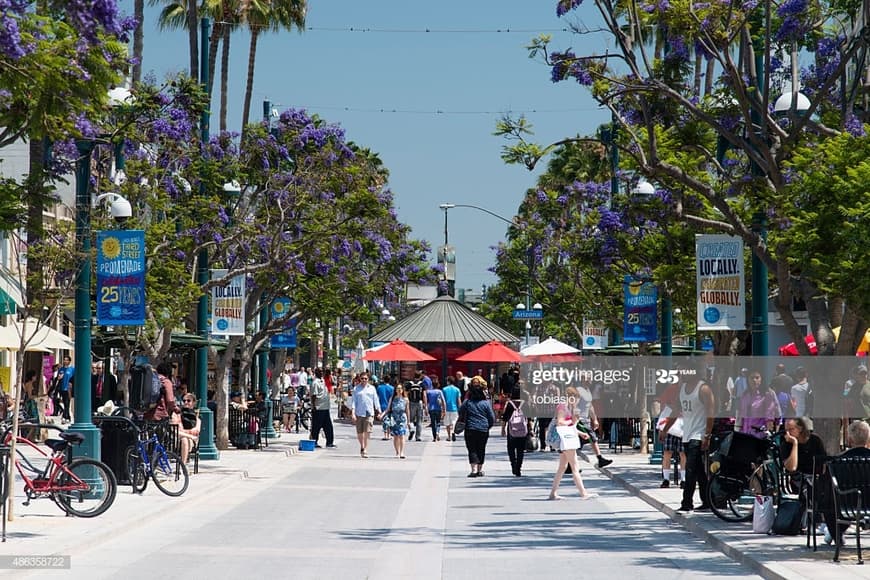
<point>692,86</point>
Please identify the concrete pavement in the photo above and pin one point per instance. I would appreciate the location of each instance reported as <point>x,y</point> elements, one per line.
<point>776,557</point>
<point>442,523</point>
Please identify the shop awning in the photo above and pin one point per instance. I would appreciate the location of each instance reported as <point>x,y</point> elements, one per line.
<point>39,337</point>
<point>11,293</point>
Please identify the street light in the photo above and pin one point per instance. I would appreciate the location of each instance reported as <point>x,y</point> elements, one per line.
<point>528,304</point>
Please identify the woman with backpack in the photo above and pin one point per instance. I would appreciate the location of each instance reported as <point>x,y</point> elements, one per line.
<point>517,430</point>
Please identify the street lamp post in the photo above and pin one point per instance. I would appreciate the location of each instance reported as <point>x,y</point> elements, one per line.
<point>83,424</point>
<point>207,448</point>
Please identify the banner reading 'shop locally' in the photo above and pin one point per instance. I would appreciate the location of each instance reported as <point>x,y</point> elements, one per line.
<point>228,305</point>
<point>121,278</point>
<point>720,282</point>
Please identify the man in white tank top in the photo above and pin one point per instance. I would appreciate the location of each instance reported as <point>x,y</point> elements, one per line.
<point>697,409</point>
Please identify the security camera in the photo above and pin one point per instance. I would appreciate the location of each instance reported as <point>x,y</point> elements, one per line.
<point>121,210</point>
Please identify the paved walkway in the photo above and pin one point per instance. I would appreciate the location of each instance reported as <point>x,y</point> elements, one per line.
<point>505,519</point>
<point>777,557</point>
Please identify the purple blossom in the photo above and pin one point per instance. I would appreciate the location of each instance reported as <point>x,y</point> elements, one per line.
<point>565,6</point>
<point>854,125</point>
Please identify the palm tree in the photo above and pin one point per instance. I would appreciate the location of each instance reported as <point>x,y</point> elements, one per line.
<point>175,15</point>
<point>268,16</point>
<point>138,38</point>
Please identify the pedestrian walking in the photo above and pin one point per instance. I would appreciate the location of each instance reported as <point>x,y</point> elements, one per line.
<point>452,400</point>
<point>479,418</point>
<point>433,400</point>
<point>587,421</point>
<point>385,393</point>
<point>364,410</point>
<point>320,403</point>
<point>517,430</point>
<point>564,435</point>
<point>398,416</point>
<point>414,390</point>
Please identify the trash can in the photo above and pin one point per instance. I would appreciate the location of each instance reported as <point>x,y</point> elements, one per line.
<point>117,434</point>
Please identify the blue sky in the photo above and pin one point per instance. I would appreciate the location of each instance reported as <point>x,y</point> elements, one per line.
<point>426,102</point>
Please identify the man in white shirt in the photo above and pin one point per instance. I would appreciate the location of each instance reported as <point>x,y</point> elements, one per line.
<point>364,410</point>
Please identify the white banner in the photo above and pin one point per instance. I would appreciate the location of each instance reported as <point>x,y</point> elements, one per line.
<point>595,335</point>
<point>720,278</point>
<point>228,305</point>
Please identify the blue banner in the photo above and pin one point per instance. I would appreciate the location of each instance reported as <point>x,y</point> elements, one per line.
<point>281,308</point>
<point>121,278</point>
<point>640,321</point>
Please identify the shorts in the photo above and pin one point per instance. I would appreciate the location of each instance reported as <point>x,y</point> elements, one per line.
<point>673,444</point>
<point>451,417</point>
<point>593,436</point>
<point>364,424</point>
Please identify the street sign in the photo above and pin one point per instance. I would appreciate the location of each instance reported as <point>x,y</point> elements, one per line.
<point>523,314</point>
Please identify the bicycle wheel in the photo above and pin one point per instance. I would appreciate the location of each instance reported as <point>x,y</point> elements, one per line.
<point>305,419</point>
<point>169,473</point>
<point>85,488</point>
<point>732,497</point>
<point>136,469</point>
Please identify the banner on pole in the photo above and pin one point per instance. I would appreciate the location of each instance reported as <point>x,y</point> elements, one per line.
<point>228,305</point>
<point>281,308</point>
<point>720,276</point>
<point>121,278</point>
<point>640,317</point>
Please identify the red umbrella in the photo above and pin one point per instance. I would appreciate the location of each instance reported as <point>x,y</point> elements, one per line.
<point>491,352</point>
<point>790,349</point>
<point>398,350</point>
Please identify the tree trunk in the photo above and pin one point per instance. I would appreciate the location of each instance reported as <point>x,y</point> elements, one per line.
<point>852,328</point>
<point>708,77</point>
<point>225,74</point>
<point>699,61</point>
<point>249,87</point>
<point>221,398</point>
<point>820,322</point>
<point>35,186</point>
<point>192,38</point>
<point>216,34</point>
<point>138,39</point>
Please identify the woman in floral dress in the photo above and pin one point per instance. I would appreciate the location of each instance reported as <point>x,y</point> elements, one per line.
<point>399,412</point>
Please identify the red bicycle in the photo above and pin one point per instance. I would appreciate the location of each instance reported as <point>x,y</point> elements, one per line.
<point>81,487</point>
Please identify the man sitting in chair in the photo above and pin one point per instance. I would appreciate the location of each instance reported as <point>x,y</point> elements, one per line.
<point>859,440</point>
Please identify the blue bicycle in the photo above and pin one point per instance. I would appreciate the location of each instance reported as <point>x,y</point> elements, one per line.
<point>164,467</point>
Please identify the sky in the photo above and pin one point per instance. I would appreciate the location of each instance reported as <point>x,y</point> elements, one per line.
<point>426,102</point>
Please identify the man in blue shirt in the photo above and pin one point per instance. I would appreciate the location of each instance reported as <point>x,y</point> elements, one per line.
<point>385,393</point>
<point>66,374</point>
<point>452,398</point>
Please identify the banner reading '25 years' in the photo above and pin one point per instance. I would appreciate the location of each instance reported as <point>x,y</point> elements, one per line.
<point>121,278</point>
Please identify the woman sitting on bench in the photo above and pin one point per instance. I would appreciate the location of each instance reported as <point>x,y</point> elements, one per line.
<point>189,425</point>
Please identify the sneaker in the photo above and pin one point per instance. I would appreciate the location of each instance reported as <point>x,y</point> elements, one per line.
<point>453,437</point>
<point>704,507</point>
<point>331,446</point>
<point>684,508</point>
<point>604,462</point>
<point>418,439</point>
<point>665,484</point>
<point>681,485</point>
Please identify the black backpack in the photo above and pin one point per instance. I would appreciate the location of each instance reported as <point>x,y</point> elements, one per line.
<point>415,392</point>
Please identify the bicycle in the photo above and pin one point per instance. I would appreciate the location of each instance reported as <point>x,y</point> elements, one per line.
<point>743,468</point>
<point>165,467</point>
<point>81,487</point>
